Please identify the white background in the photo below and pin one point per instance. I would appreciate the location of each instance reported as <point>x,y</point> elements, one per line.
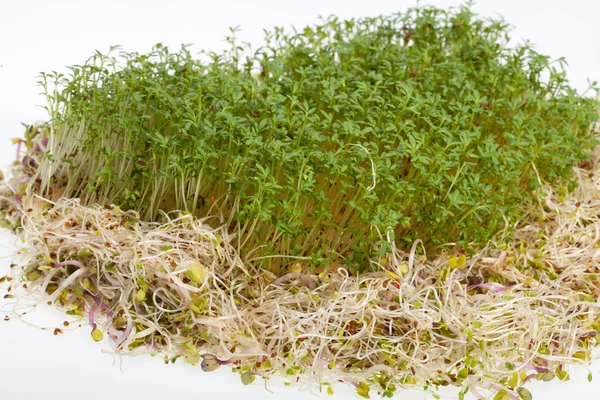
<point>49,35</point>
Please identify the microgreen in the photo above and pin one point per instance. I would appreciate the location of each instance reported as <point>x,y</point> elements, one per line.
<point>326,141</point>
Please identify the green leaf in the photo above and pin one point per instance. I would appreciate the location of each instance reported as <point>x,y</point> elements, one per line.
<point>247,378</point>
<point>363,390</point>
<point>97,335</point>
<point>502,395</point>
<point>524,394</point>
<point>195,273</point>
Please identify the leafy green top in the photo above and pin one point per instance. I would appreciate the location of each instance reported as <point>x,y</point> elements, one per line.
<point>421,124</point>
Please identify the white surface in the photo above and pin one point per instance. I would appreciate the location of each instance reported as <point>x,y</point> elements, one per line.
<point>48,35</point>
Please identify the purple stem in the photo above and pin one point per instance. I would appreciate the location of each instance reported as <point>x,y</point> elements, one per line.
<point>19,149</point>
<point>588,335</point>
<point>220,362</point>
<point>112,280</point>
<point>256,373</point>
<point>126,333</point>
<point>287,277</point>
<point>96,300</point>
<point>153,344</point>
<point>40,147</point>
<point>531,366</point>
<point>91,315</point>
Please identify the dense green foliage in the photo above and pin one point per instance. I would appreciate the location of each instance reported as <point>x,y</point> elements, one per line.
<point>282,141</point>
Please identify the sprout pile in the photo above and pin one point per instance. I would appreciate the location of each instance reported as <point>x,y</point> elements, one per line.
<point>386,202</point>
